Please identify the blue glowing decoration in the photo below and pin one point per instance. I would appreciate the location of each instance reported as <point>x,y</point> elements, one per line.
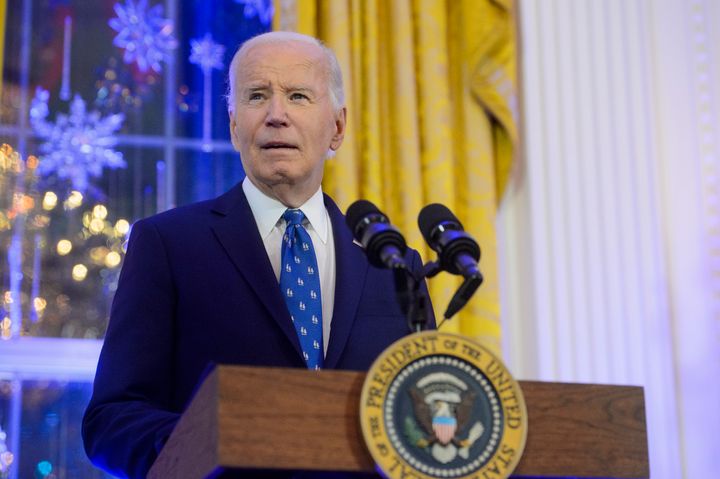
<point>44,468</point>
<point>77,146</point>
<point>206,53</point>
<point>6,457</point>
<point>263,9</point>
<point>15,260</point>
<point>144,34</point>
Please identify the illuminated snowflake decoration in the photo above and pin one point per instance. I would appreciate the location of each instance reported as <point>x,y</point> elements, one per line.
<point>78,145</point>
<point>206,53</point>
<point>263,9</point>
<point>145,34</point>
<point>6,457</point>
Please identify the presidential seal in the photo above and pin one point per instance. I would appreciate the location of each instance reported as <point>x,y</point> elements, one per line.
<point>438,405</point>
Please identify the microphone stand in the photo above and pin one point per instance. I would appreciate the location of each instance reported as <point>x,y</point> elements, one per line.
<point>463,294</point>
<point>413,300</point>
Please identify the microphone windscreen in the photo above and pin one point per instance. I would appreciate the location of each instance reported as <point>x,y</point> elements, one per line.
<point>431,216</point>
<point>357,211</point>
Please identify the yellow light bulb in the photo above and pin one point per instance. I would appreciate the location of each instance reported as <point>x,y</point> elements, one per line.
<point>39,304</point>
<point>96,226</point>
<point>97,254</point>
<point>74,200</point>
<point>122,227</point>
<point>112,259</point>
<point>49,201</point>
<point>100,211</point>
<point>64,247</point>
<point>79,272</point>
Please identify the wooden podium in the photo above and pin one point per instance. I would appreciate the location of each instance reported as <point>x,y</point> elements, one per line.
<point>260,418</point>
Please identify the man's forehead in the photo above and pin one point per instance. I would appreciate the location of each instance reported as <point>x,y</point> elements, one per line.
<point>283,54</point>
<point>280,66</point>
<point>280,84</point>
<point>295,78</point>
<point>267,68</point>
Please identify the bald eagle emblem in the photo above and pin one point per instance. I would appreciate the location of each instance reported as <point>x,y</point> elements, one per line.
<point>442,406</point>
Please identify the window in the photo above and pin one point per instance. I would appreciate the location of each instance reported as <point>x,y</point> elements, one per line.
<point>100,131</point>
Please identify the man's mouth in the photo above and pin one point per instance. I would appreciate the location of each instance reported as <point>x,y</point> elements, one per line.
<point>278,145</point>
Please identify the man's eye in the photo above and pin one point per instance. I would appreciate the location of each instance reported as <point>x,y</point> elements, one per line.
<point>255,96</point>
<point>298,96</point>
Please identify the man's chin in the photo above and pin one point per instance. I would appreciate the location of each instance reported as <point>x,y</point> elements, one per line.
<point>280,153</point>
<point>290,191</point>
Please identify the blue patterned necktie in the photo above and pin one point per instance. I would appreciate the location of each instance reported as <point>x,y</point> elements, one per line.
<point>300,284</point>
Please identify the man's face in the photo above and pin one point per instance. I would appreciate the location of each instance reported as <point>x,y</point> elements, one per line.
<point>284,121</point>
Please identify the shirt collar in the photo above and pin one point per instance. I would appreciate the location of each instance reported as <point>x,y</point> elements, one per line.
<point>268,211</point>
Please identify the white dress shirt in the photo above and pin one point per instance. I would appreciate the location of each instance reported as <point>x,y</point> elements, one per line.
<point>268,217</point>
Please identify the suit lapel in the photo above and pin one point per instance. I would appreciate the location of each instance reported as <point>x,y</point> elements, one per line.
<point>350,271</point>
<point>235,228</point>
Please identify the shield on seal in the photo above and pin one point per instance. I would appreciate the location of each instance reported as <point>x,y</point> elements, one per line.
<point>444,428</point>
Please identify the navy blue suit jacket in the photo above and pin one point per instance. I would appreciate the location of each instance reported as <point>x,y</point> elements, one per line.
<point>197,288</point>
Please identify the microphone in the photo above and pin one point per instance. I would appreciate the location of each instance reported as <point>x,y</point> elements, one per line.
<point>458,252</point>
<point>383,243</point>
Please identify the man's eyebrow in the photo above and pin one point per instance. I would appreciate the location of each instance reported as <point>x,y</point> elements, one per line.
<point>299,88</point>
<point>256,86</point>
<point>249,88</point>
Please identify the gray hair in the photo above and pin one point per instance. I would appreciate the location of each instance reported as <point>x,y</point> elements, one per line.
<point>335,81</point>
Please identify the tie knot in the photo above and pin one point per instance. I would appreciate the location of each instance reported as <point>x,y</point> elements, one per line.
<point>293,217</point>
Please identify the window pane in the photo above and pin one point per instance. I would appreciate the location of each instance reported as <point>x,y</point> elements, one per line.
<point>60,251</point>
<point>97,71</point>
<point>230,23</point>
<point>65,252</point>
<point>200,175</point>
<point>7,452</point>
<point>10,97</point>
<point>50,441</point>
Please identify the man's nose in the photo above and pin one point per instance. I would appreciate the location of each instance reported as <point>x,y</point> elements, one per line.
<point>277,112</point>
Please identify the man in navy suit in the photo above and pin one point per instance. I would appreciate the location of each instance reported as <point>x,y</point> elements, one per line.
<point>200,283</point>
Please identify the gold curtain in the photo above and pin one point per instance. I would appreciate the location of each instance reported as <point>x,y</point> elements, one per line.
<point>430,87</point>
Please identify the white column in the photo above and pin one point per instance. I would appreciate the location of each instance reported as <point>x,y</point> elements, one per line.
<point>687,75</point>
<point>610,233</point>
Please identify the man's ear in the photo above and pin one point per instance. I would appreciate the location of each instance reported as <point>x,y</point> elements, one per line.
<point>233,134</point>
<point>340,124</point>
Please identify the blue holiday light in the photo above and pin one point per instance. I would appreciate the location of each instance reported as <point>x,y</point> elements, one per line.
<point>263,9</point>
<point>206,53</point>
<point>78,145</point>
<point>44,468</point>
<point>144,34</point>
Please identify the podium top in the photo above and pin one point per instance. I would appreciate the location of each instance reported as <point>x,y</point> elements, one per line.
<point>259,418</point>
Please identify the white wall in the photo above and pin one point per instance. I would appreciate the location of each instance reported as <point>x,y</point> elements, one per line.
<point>610,234</point>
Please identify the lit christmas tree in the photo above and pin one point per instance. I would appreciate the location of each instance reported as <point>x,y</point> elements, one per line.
<point>64,252</point>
